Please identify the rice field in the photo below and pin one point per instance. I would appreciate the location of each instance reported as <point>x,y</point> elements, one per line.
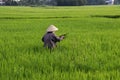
<point>90,51</point>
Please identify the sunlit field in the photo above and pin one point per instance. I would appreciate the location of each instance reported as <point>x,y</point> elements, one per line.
<point>90,51</point>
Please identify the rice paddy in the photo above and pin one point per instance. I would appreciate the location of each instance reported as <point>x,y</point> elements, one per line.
<point>90,51</point>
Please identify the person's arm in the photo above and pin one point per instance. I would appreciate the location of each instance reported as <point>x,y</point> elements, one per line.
<point>57,39</point>
<point>61,37</point>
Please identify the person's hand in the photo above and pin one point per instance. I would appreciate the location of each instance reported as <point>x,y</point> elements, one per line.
<point>62,37</point>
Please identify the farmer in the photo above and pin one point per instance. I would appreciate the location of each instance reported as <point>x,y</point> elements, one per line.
<point>50,39</point>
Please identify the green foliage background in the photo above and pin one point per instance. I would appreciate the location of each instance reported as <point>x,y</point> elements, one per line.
<point>91,50</point>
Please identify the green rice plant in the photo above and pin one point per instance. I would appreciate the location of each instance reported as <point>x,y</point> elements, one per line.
<point>91,50</point>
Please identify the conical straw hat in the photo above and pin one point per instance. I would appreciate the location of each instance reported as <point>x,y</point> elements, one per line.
<point>52,28</point>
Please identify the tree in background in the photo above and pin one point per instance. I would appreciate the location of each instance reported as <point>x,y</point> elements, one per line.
<point>117,1</point>
<point>54,2</point>
<point>71,2</point>
<point>11,2</point>
<point>37,2</point>
<point>95,2</point>
<point>59,2</point>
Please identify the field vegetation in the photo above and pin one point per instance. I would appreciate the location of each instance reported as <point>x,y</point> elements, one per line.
<point>90,51</point>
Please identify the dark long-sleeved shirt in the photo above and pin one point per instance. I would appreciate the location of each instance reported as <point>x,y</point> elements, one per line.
<point>50,40</point>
